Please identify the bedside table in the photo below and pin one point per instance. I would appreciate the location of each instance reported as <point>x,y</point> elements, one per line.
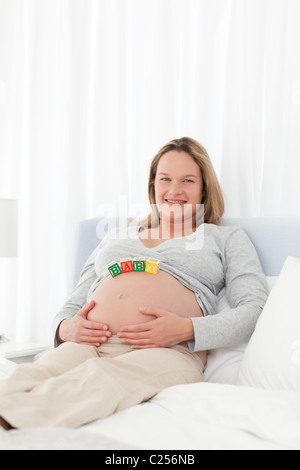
<point>21,352</point>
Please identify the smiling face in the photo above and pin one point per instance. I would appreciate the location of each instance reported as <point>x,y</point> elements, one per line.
<point>178,187</point>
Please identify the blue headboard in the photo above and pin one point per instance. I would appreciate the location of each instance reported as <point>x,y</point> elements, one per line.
<point>273,238</point>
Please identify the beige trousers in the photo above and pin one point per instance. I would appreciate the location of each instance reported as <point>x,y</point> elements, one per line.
<point>73,384</point>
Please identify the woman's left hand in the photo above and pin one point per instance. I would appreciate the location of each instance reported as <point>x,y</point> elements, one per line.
<point>166,330</point>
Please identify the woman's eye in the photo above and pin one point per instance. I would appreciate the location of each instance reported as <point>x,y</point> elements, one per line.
<point>169,179</point>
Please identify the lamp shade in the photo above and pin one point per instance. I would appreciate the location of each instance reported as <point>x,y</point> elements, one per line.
<point>8,228</point>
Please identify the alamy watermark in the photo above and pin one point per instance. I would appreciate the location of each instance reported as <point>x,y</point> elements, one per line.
<point>177,221</point>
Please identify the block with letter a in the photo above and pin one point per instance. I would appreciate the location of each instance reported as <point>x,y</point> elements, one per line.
<point>126,265</point>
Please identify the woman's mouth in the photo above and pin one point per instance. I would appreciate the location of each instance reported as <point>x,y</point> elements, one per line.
<point>175,201</point>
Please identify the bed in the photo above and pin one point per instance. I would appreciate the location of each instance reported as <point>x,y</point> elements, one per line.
<point>250,398</point>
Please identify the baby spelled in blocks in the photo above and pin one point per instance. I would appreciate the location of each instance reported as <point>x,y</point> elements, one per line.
<point>128,265</point>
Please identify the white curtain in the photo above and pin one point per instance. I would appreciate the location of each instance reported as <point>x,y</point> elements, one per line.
<point>91,89</point>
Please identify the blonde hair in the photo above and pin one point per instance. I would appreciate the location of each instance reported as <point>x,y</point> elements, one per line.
<point>213,198</point>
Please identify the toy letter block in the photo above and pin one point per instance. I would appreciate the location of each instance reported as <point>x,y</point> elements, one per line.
<point>114,269</point>
<point>126,265</point>
<point>139,264</point>
<point>152,265</point>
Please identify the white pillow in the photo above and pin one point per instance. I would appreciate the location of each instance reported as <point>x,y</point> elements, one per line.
<point>223,364</point>
<point>272,358</point>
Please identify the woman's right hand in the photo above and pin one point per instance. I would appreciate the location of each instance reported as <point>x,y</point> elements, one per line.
<point>83,331</point>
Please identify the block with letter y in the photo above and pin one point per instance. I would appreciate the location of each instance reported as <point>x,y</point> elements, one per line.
<point>152,265</point>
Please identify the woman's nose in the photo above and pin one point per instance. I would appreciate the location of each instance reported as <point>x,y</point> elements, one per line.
<point>176,188</point>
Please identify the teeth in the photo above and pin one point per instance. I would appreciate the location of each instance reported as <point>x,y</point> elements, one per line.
<point>174,202</point>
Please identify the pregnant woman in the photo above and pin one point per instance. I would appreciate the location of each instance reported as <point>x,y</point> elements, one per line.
<point>142,316</point>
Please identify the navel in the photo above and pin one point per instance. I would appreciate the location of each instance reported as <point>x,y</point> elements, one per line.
<point>122,296</point>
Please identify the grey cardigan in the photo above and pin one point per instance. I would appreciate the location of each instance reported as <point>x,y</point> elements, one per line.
<point>211,258</point>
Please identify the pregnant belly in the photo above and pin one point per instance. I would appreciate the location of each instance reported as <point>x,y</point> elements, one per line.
<point>118,299</point>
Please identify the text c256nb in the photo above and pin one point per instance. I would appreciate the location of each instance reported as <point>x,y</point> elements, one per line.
<point>142,459</point>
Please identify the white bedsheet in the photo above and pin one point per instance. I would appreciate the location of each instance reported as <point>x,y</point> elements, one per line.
<point>187,417</point>
<point>208,416</point>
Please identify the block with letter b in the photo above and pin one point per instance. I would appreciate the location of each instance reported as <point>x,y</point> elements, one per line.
<point>139,264</point>
<point>114,269</point>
